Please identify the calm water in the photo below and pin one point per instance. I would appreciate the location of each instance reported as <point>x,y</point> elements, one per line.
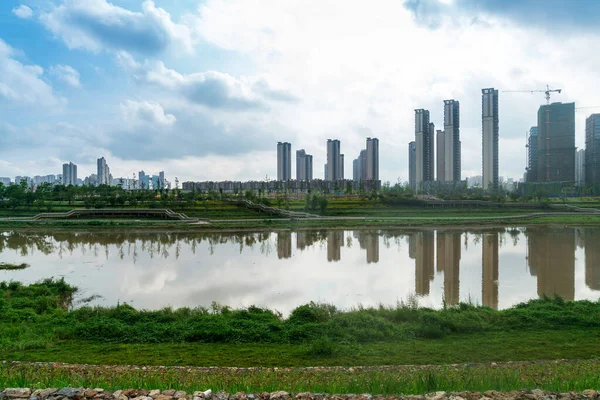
<point>282,270</point>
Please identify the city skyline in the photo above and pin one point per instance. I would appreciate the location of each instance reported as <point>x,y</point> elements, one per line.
<point>203,94</point>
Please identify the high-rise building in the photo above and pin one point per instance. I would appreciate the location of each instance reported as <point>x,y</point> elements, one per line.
<point>69,174</point>
<point>303,166</point>
<point>334,169</point>
<point>580,167</point>
<point>556,143</point>
<point>490,136</point>
<point>592,150</point>
<point>372,159</point>
<point>341,176</point>
<point>532,155</point>
<point>284,161</point>
<point>424,148</point>
<point>103,172</point>
<point>356,169</point>
<point>300,165</point>
<point>412,165</point>
<point>452,160</point>
<point>440,141</point>
<point>363,165</point>
<point>326,172</point>
<point>161,179</point>
<point>143,180</point>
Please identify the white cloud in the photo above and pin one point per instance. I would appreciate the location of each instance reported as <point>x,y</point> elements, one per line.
<point>372,66</point>
<point>66,74</point>
<point>23,12</point>
<point>97,25</point>
<point>21,83</point>
<point>138,113</point>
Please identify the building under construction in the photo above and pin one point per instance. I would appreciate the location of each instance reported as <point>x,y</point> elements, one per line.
<point>556,143</point>
<point>592,150</point>
<point>532,155</point>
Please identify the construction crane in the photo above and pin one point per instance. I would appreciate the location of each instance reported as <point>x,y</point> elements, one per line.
<point>547,131</point>
<point>547,92</point>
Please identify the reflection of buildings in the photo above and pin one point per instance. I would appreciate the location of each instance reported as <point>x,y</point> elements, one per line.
<point>448,260</point>
<point>424,260</point>
<point>591,238</point>
<point>369,241</point>
<point>284,245</point>
<point>489,276</point>
<point>335,240</point>
<point>552,260</point>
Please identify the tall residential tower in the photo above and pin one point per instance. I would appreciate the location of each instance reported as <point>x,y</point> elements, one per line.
<point>490,135</point>
<point>303,166</point>
<point>424,148</point>
<point>556,143</point>
<point>452,168</point>
<point>334,160</point>
<point>284,161</point>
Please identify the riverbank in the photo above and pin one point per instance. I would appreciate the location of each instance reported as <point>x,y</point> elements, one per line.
<point>465,220</point>
<point>561,379</point>
<point>39,324</point>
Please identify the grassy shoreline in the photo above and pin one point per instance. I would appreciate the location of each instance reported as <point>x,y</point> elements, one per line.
<point>559,376</point>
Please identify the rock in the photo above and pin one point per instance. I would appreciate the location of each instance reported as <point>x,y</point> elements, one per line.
<point>414,397</point>
<point>163,397</point>
<point>592,394</point>
<point>45,393</point>
<point>280,395</point>
<point>179,394</point>
<point>72,393</point>
<point>168,392</point>
<point>251,396</point>
<point>17,392</point>
<point>539,394</point>
<point>240,396</point>
<point>154,393</point>
<point>90,393</point>
<point>34,398</point>
<point>117,394</point>
<point>435,396</point>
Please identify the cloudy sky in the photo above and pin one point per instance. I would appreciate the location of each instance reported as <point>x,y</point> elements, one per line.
<point>203,89</point>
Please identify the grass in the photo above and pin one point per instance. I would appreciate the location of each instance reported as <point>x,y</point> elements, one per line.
<point>555,376</point>
<point>9,267</point>
<point>37,323</point>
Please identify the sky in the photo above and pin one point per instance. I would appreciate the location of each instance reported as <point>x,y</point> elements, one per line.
<point>204,89</point>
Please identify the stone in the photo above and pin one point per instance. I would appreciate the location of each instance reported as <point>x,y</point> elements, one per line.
<point>590,393</point>
<point>539,394</point>
<point>17,392</point>
<point>168,392</point>
<point>154,393</point>
<point>45,393</point>
<point>90,393</point>
<point>415,397</point>
<point>240,396</point>
<point>251,396</point>
<point>34,398</point>
<point>280,395</point>
<point>72,393</point>
<point>123,397</point>
<point>435,396</point>
<point>163,397</point>
<point>117,394</point>
<point>179,394</point>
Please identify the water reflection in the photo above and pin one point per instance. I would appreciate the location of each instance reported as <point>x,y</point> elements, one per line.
<point>494,267</point>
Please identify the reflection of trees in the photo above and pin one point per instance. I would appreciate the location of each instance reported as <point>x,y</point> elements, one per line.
<point>126,244</point>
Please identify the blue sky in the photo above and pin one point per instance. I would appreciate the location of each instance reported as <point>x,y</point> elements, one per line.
<point>204,89</point>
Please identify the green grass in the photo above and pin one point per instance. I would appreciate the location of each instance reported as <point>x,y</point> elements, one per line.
<point>554,376</point>
<point>9,267</point>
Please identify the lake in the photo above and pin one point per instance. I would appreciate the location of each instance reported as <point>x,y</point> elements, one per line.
<point>281,270</point>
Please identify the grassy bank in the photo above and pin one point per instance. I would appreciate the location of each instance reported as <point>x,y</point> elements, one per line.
<point>10,267</point>
<point>555,376</point>
<point>36,323</point>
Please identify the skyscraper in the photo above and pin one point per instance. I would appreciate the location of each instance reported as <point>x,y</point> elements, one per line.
<point>373,159</point>
<point>69,176</point>
<point>556,143</point>
<point>532,155</point>
<point>303,166</point>
<point>284,161</point>
<point>103,172</point>
<point>334,158</point>
<point>580,167</point>
<point>341,175</point>
<point>424,148</point>
<point>490,135</point>
<point>441,152</point>
<point>356,169</point>
<point>592,150</point>
<point>452,168</point>
<point>412,165</point>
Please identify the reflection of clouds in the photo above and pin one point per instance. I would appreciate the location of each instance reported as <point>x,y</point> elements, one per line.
<point>283,270</point>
